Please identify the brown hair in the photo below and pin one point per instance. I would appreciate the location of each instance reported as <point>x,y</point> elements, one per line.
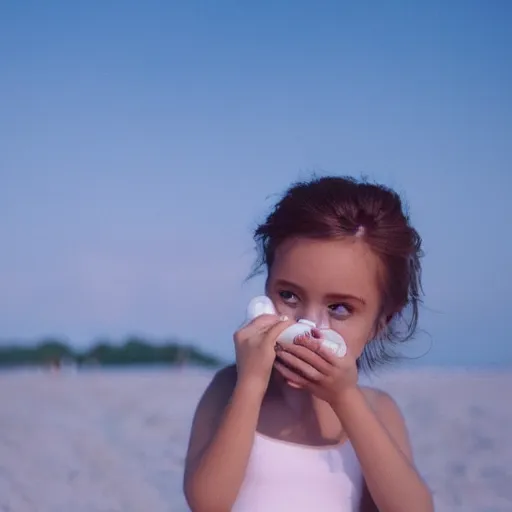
<point>337,207</point>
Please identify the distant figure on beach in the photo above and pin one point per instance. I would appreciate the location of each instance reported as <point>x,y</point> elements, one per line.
<point>182,358</point>
<point>289,427</point>
<point>54,365</point>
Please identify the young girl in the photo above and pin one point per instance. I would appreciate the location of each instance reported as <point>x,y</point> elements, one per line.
<point>288,428</point>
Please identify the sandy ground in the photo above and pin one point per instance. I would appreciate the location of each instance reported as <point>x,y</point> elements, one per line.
<point>115,441</point>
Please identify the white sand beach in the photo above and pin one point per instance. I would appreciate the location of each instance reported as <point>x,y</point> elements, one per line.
<point>108,441</point>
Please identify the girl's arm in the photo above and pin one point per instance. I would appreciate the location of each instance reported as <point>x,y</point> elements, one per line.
<point>220,442</point>
<point>377,433</point>
<point>227,416</point>
<point>380,440</point>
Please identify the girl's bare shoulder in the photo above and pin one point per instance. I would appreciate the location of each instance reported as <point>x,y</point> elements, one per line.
<point>381,402</point>
<point>388,412</point>
<point>220,388</point>
<point>225,377</point>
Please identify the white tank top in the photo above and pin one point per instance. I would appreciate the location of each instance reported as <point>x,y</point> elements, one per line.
<point>284,477</point>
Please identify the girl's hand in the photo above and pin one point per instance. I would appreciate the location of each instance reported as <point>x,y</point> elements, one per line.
<point>255,349</point>
<point>308,365</point>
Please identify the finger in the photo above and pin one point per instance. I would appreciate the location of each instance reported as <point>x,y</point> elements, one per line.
<point>298,365</point>
<point>316,333</point>
<point>303,351</point>
<point>315,345</point>
<point>259,325</point>
<point>275,330</point>
<point>262,322</point>
<point>289,375</point>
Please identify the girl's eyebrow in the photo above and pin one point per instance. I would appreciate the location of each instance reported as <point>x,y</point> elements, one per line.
<point>340,297</point>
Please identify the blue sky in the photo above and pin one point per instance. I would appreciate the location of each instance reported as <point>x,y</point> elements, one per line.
<point>140,143</point>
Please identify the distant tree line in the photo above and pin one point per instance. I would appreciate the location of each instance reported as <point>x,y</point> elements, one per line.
<point>134,351</point>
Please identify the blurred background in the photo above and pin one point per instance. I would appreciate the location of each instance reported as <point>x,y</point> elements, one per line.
<point>142,142</point>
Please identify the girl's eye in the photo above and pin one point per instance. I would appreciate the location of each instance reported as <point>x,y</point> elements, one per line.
<point>340,310</point>
<point>288,297</point>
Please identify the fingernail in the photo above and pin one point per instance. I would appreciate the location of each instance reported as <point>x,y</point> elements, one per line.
<point>299,338</point>
<point>283,318</point>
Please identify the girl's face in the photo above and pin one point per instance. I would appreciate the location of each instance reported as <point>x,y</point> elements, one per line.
<point>332,283</point>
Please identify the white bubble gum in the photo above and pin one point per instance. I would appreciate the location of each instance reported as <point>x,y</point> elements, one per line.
<point>258,306</point>
<point>332,340</point>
